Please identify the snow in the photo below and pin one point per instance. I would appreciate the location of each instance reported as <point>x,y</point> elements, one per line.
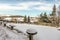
<point>31,31</point>
<point>7,34</point>
<point>7,19</point>
<point>20,19</point>
<point>43,32</point>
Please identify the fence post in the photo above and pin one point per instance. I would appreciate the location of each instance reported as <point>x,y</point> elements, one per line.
<point>1,22</point>
<point>31,32</point>
<point>12,27</point>
<point>4,24</point>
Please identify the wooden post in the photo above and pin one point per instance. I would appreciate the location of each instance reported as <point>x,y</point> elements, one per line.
<point>4,24</point>
<point>31,32</point>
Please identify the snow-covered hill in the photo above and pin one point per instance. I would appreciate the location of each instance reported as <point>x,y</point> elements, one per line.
<point>44,32</point>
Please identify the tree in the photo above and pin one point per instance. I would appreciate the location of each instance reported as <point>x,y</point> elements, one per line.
<point>45,15</point>
<point>45,18</point>
<point>58,11</point>
<point>53,14</point>
<point>41,15</point>
<point>54,11</point>
<point>58,18</point>
<point>25,19</point>
<point>55,19</point>
<point>28,19</point>
<point>40,18</point>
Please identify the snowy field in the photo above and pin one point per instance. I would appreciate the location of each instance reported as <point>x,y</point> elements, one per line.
<point>44,32</point>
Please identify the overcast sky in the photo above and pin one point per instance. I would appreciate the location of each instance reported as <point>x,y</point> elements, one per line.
<point>27,7</point>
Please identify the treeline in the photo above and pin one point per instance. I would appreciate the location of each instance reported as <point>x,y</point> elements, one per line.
<point>26,19</point>
<point>51,19</point>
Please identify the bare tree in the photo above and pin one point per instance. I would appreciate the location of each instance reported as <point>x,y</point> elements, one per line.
<point>55,17</point>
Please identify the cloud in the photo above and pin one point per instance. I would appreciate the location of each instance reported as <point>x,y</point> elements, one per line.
<point>32,7</point>
<point>16,1</point>
<point>8,7</point>
<point>44,8</point>
<point>27,6</point>
<point>19,1</point>
<point>22,6</point>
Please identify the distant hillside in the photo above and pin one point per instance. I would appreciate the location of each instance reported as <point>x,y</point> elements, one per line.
<point>5,16</point>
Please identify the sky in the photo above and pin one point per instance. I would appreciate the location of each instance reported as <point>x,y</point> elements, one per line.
<point>27,7</point>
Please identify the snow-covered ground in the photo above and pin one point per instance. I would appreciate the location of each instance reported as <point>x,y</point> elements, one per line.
<point>44,32</point>
<point>7,34</point>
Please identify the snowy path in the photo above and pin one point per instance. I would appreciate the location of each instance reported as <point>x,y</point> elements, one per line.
<point>7,34</point>
<point>44,32</point>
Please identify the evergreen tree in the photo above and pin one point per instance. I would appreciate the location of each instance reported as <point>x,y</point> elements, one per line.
<point>40,17</point>
<point>45,15</point>
<point>25,19</point>
<point>54,11</point>
<point>28,19</point>
<point>55,20</point>
<point>45,18</point>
